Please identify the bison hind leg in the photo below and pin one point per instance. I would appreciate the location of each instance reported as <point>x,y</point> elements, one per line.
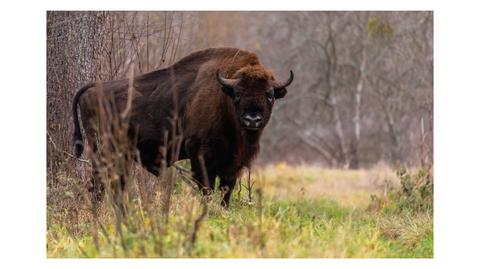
<point>96,189</point>
<point>118,193</point>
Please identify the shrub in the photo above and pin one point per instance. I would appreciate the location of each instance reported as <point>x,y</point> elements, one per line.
<point>415,193</point>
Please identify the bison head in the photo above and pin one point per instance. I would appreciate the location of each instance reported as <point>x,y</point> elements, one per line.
<point>253,91</point>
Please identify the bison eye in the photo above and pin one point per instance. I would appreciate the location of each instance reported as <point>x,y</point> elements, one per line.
<point>236,99</point>
<point>270,96</point>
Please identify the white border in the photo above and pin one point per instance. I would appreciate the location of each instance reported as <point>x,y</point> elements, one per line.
<point>23,138</point>
<point>241,5</point>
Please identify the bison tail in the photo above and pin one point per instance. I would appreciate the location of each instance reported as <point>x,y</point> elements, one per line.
<point>77,133</point>
<point>78,146</point>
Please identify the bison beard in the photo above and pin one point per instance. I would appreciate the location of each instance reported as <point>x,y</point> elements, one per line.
<point>222,99</point>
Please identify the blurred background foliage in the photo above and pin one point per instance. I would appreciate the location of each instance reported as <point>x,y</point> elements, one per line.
<point>363,92</point>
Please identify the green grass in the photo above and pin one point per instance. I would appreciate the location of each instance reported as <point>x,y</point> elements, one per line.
<point>294,224</point>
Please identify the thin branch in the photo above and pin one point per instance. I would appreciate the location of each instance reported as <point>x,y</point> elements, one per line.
<point>50,139</point>
<point>128,107</point>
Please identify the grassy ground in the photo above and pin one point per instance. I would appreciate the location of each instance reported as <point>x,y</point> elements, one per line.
<point>293,212</point>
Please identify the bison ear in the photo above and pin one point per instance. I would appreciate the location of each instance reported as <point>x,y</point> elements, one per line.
<point>227,84</point>
<point>279,93</point>
<point>280,87</point>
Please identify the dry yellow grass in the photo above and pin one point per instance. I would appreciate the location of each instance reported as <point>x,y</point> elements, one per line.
<point>350,188</point>
<point>305,211</point>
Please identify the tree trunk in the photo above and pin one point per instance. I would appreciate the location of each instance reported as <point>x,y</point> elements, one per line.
<point>74,47</point>
<point>355,163</point>
<point>339,131</point>
<point>395,154</point>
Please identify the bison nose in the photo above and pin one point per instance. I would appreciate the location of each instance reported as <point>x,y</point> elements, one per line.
<point>252,120</point>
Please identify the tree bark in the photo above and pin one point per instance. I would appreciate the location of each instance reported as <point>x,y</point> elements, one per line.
<point>74,48</point>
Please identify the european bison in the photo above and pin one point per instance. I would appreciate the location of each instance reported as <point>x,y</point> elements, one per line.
<point>223,98</point>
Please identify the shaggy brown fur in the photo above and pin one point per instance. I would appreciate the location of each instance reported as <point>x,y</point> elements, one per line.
<point>211,112</point>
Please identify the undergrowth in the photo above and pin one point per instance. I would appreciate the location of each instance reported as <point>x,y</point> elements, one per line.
<point>257,224</point>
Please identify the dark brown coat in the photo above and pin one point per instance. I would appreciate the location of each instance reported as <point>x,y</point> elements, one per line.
<point>224,98</point>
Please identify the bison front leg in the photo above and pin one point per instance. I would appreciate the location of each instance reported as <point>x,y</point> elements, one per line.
<point>226,186</point>
<point>204,174</point>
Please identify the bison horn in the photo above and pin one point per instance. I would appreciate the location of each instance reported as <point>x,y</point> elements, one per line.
<point>226,82</point>
<point>283,84</point>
